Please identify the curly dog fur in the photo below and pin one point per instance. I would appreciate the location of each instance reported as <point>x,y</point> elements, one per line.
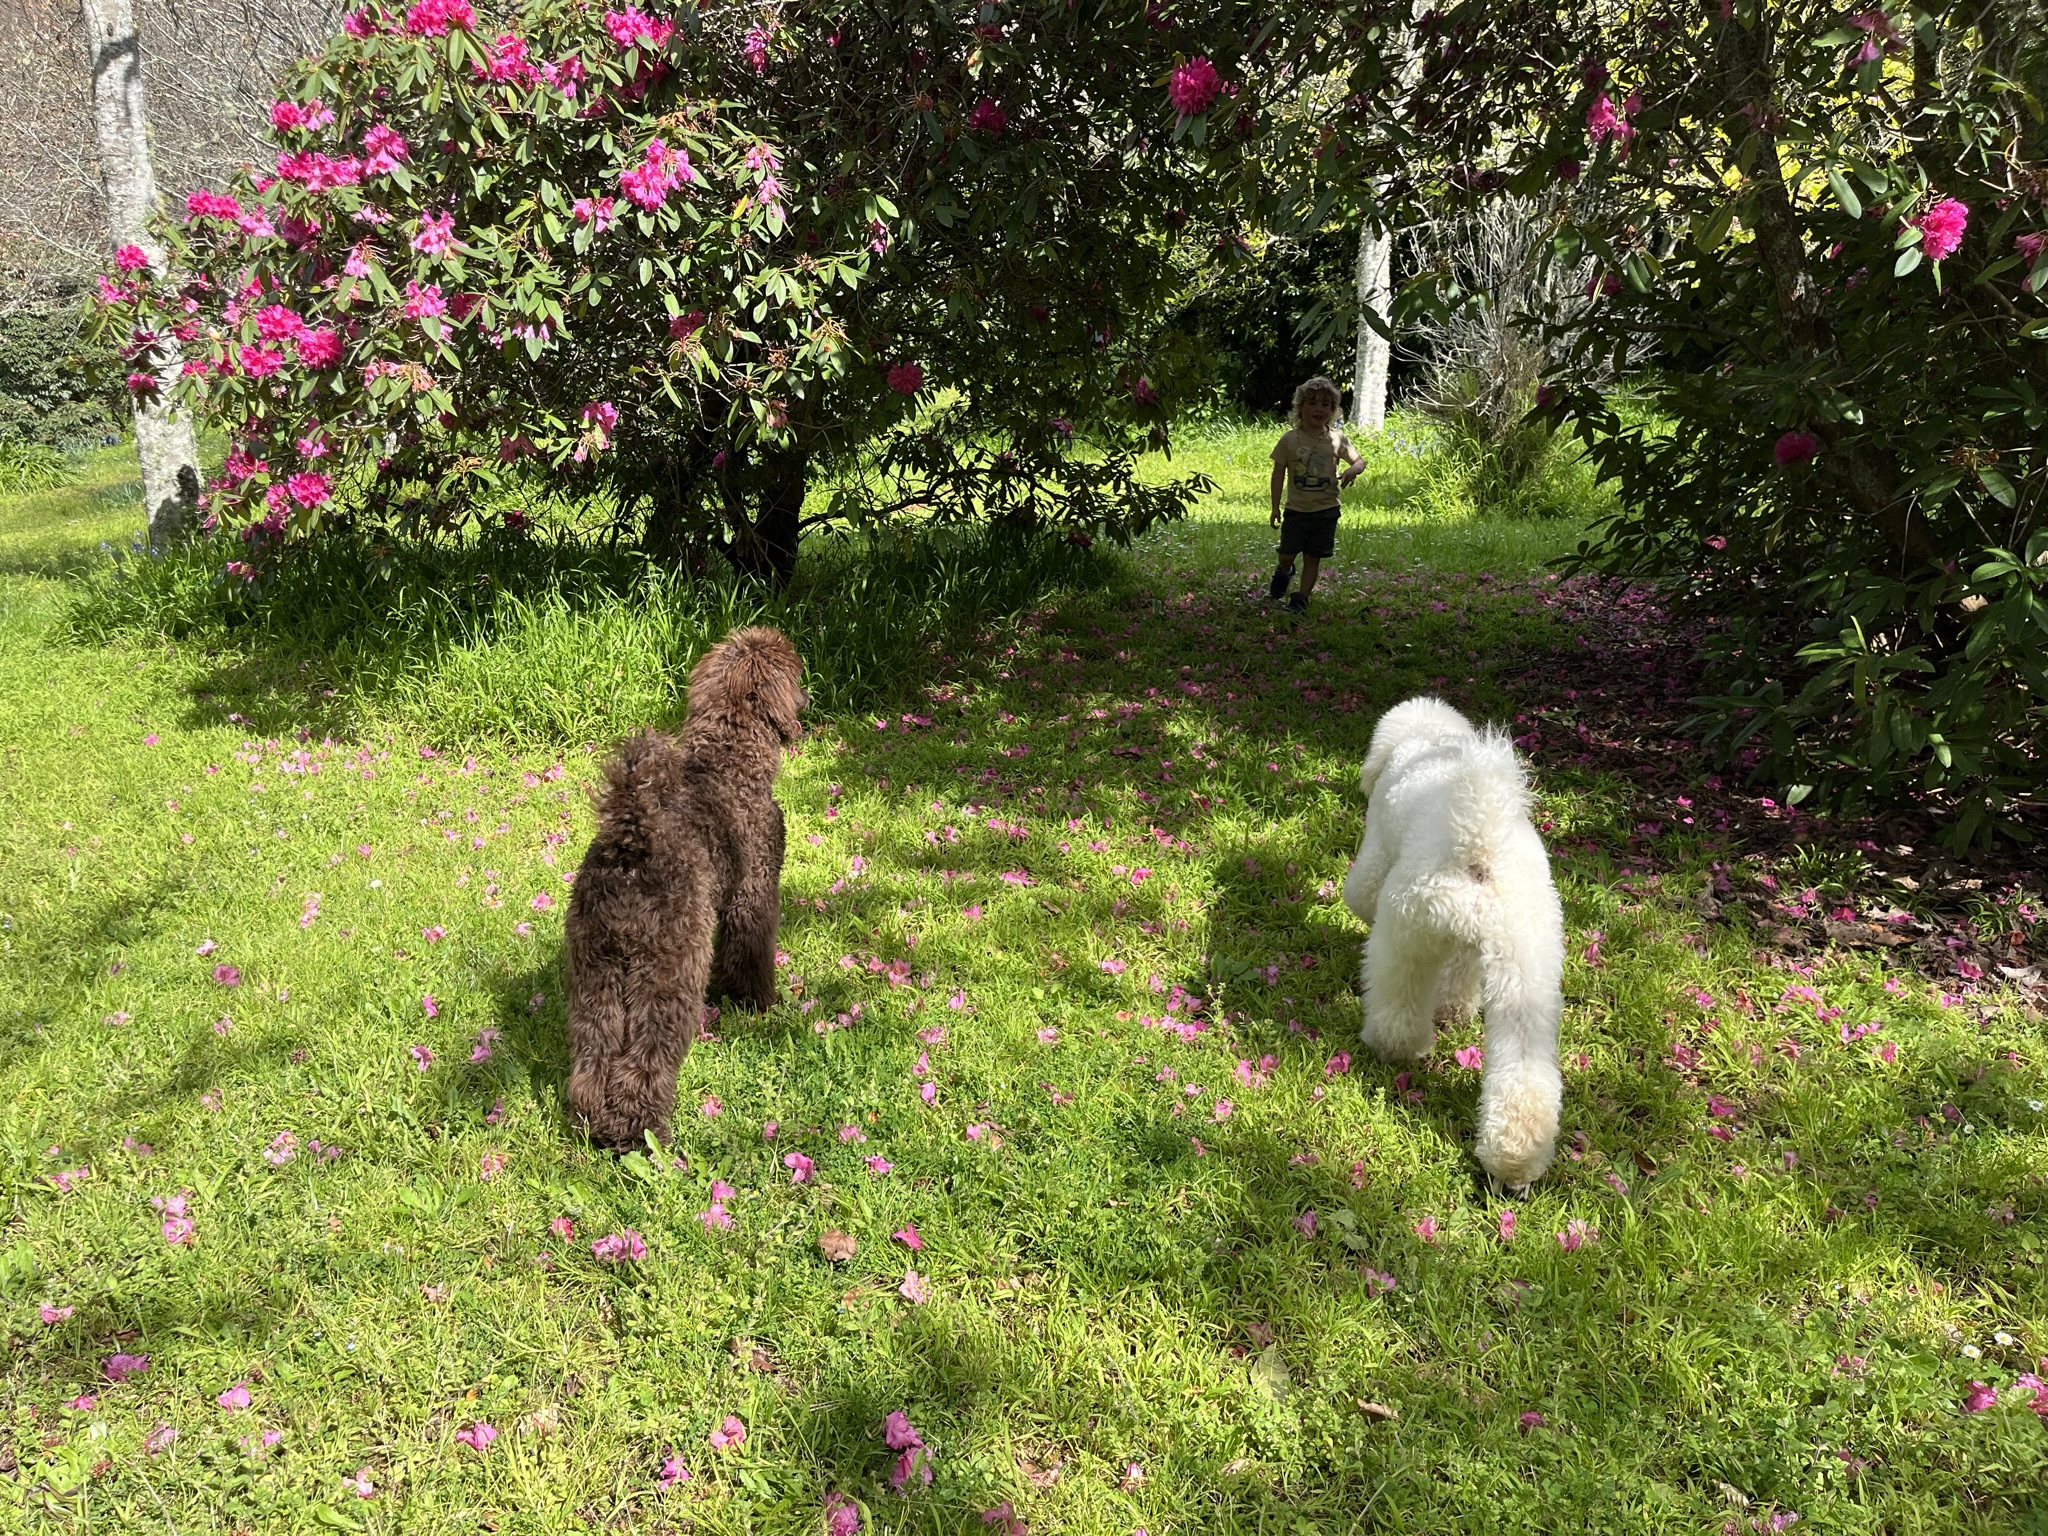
<point>681,887</point>
<point>1456,885</point>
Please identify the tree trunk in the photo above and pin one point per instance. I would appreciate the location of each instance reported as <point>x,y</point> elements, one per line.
<point>766,548</point>
<point>163,434</point>
<point>1375,352</point>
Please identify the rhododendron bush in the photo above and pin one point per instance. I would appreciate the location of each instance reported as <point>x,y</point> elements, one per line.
<point>1820,247</point>
<point>706,262</point>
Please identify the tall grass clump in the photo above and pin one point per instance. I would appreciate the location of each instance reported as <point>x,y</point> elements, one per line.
<point>536,639</point>
<point>28,467</point>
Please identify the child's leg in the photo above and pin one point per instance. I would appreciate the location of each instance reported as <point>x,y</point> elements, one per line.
<point>1310,565</point>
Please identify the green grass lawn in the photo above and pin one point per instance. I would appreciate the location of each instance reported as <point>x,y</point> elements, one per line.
<point>1139,1241</point>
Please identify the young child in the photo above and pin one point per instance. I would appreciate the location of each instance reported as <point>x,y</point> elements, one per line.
<point>1305,468</point>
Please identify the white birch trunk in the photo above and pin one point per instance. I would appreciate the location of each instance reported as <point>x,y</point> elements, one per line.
<point>1375,297</point>
<point>163,436</point>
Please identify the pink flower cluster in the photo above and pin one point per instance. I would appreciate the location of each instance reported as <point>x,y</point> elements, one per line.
<point>755,47</point>
<point>1603,122</point>
<point>384,147</point>
<point>906,378</point>
<point>988,117</point>
<point>618,1247</point>
<point>1941,229</point>
<point>730,1435</point>
<point>716,1215</point>
<point>423,301</point>
<point>437,234</point>
<point>1795,448</point>
<point>598,212</point>
<point>636,29</point>
<point>505,61</point>
<point>317,172</point>
<point>302,117</point>
<point>660,171</point>
<point>435,18</point>
<point>319,349</point>
<point>211,205</point>
<point>1194,86</point>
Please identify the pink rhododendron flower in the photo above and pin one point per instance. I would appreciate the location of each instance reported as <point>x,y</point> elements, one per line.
<point>477,1436</point>
<point>879,1165</point>
<point>755,47</point>
<point>1576,1235</point>
<point>434,18</point>
<point>384,150</point>
<point>908,1237</point>
<point>319,349</point>
<point>1194,86</point>
<point>1337,1065</point>
<point>159,1440</point>
<point>898,1433</point>
<point>422,1057</point>
<point>634,28</point>
<point>120,1367</point>
<point>660,172</point>
<point>1426,1229</point>
<point>1795,448</point>
<point>906,378</point>
<point>1978,1398</point>
<point>423,301</point>
<point>437,234</point>
<point>842,1516</point>
<point>913,1466</point>
<point>618,1247</point>
<point>211,205</point>
<point>988,117</point>
<point>801,1169</point>
<point>915,1288</point>
<point>308,489</point>
<point>1941,229</point>
<point>131,258</point>
<point>235,1398</point>
<point>53,1315</point>
<point>730,1435</point>
<point>1603,122</point>
<point>1470,1056</point>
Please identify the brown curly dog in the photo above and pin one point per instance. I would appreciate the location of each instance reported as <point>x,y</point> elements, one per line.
<point>681,886</point>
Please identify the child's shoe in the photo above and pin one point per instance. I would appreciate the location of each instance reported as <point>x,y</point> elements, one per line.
<point>1277,587</point>
<point>1297,604</point>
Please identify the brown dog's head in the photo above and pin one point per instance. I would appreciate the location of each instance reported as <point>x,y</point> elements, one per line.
<point>752,674</point>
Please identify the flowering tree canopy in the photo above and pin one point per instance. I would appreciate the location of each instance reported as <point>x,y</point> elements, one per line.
<point>1818,240</point>
<point>695,258</point>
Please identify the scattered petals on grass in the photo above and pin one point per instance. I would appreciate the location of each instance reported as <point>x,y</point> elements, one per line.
<point>908,1237</point>
<point>672,1472</point>
<point>1505,1221</point>
<point>421,1056</point>
<point>227,975</point>
<point>159,1439</point>
<point>878,1164</point>
<point>842,1516</point>
<point>235,1398</point>
<point>915,1289</point>
<point>801,1169</point>
<point>1577,1235</point>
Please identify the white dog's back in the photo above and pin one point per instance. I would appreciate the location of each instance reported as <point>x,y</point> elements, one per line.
<point>1456,882</point>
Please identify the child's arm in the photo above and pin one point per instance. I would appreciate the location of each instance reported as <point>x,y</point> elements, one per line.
<point>1279,488</point>
<point>1357,461</point>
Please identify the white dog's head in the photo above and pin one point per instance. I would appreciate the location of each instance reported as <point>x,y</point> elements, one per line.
<point>1421,719</point>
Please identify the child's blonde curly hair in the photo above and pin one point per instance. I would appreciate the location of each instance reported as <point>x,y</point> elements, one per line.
<point>1318,385</point>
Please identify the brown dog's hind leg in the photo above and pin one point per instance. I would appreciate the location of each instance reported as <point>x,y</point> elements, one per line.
<point>744,964</point>
<point>664,1007</point>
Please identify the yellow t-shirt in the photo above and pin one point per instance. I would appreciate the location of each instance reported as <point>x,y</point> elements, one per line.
<point>1311,461</point>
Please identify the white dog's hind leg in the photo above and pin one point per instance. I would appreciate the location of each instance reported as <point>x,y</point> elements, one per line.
<point>1459,986</point>
<point>1363,880</point>
<point>1521,1090</point>
<point>1402,958</point>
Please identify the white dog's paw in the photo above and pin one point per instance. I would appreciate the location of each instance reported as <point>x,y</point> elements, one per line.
<point>1403,1042</point>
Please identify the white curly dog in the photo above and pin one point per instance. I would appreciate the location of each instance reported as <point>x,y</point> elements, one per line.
<point>1456,885</point>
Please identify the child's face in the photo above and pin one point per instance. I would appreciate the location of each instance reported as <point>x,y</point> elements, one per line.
<point>1316,411</point>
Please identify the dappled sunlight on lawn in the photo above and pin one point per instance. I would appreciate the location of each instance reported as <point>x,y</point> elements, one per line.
<point>1139,1237</point>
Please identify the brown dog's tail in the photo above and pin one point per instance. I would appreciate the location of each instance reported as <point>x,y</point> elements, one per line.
<point>629,806</point>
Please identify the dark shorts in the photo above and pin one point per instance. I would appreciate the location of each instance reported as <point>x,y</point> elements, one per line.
<point>1308,533</point>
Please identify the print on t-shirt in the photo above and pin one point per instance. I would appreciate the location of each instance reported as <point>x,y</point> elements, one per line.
<point>1311,461</point>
